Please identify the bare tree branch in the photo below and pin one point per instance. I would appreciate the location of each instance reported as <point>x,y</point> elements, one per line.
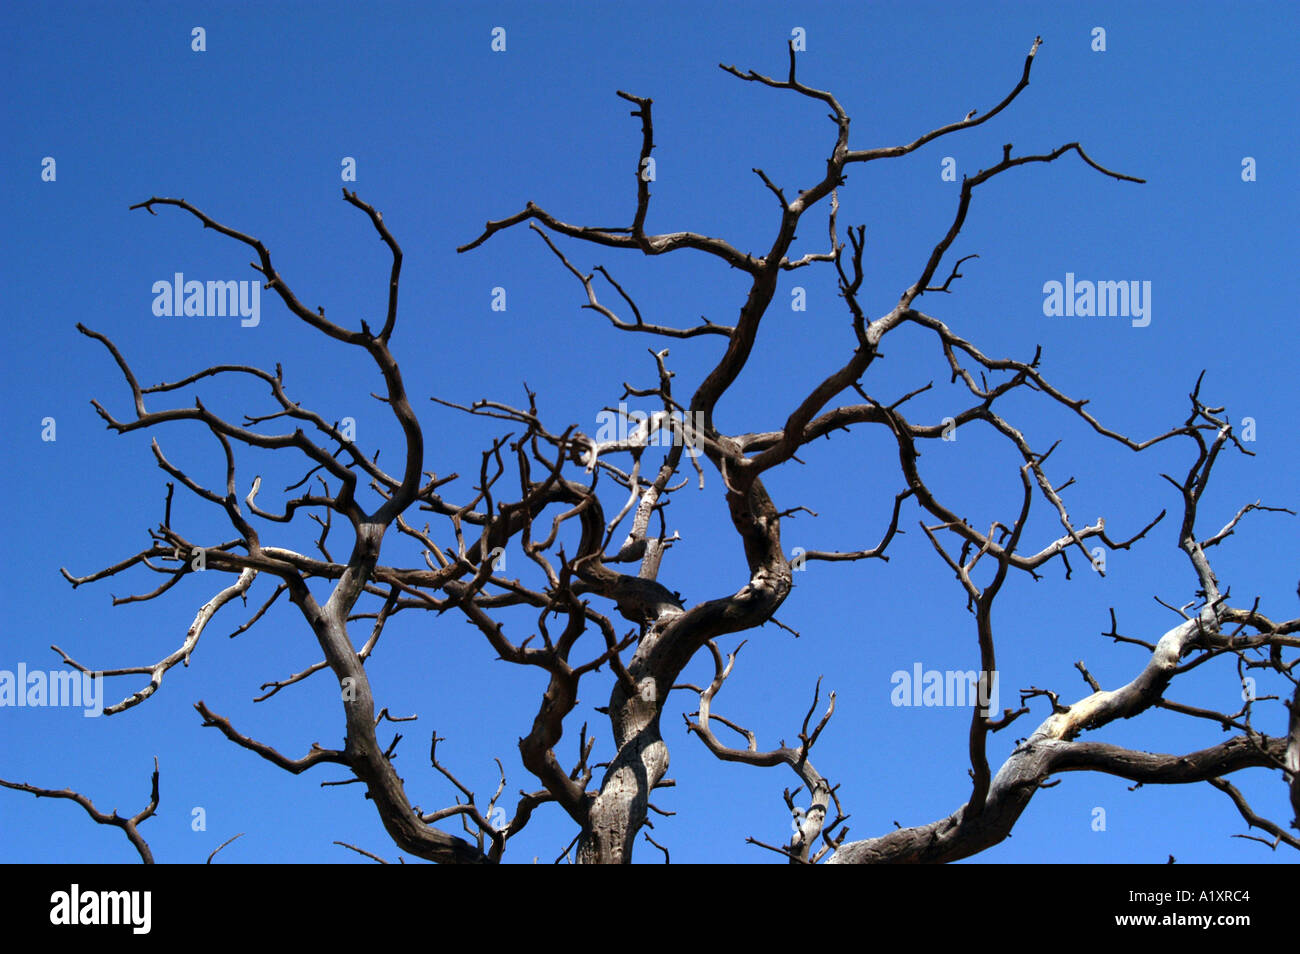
<point>128,825</point>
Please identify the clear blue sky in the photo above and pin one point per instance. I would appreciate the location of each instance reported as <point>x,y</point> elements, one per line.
<point>447,133</point>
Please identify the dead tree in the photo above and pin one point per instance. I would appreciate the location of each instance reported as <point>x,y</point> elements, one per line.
<point>543,484</point>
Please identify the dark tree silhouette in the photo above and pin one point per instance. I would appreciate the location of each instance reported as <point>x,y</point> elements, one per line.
<point>544,488</point>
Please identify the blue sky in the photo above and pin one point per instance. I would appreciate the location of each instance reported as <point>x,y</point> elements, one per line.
<point>447,133</point>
